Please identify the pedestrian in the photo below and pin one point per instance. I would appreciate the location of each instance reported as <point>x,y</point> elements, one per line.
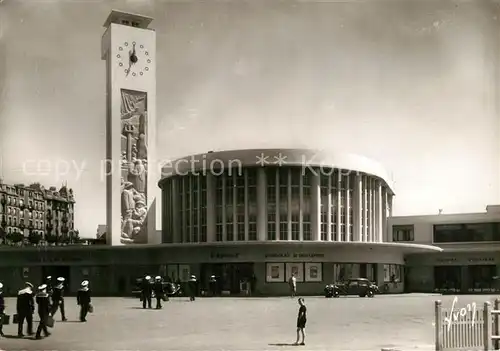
<point>180,288</point>
<point>193,287</point>
<point>2,309</point>
<point>159,291</point>
<point>49,283</point>
<point>301,321</point>
<point>25,309</point>
<point>146,292</point>
<point>84,300</point>
<point>253,284</point>
<point>43,302</point>
<point>58,298</point>
<point>292,282</point>
<point>213,285</point>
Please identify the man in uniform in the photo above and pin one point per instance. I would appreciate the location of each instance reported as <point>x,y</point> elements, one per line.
<point>159,291</point>
<point>58,298</point>
<point>193,288</point>
<point>48,282</point>
<point>25,308</point>
<point>213,285</point>
<point>43,302</point>
<point>2,309</point>
<point>146,291</point>
<point>83,300</point>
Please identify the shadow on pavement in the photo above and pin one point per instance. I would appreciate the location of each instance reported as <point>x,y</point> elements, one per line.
<point>283,344</point>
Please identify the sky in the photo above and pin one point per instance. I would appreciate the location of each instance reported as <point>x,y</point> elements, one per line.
<point>412,84</point>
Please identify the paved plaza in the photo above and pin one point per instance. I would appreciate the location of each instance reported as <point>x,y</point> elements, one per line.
<point>401,321</point>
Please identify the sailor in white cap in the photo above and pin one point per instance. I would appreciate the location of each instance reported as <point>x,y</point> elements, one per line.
<point>84,300</point>
<point>85,285</point>
<point>43,302</point>
<point>25,309</point>
<point>146,291</point>
<point>49,283</point>
<point>2,309</point>
<point>193,288</point>
<point>159,291</point>
<point>58,298</point>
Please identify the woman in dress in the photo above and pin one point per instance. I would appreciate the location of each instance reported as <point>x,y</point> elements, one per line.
<point>301,322</point>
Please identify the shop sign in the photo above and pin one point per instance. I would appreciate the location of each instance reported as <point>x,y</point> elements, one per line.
<point>482,259</point>
<point>294,255</point>
<point>215,255</point>
<point>55,259</point>
<point>470,260</point>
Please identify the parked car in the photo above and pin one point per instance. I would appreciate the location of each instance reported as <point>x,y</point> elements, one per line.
<point>355,286</point>
<point>170,289</point>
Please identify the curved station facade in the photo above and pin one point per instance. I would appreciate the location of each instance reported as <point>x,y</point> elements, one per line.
<point>261,215</point>
<point>252,218</point>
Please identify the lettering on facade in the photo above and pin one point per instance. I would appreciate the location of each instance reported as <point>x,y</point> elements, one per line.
<point>277,255</point>
<point>483,259</point>
<point>294,255</point>
<point>308,255</point>
<point>474,259</point>
<point>55,259</point>
<point>224,255</point>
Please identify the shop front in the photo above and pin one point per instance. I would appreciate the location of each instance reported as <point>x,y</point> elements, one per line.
<point>459,272</point>
<point>266,269</point>
<point>242,268</point>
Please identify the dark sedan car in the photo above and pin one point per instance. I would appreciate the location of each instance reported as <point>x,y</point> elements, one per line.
<point>355,286</point>
<point>170,289</point>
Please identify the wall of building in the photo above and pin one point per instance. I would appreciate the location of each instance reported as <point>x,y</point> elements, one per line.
<point>424,225</point>
<point>47,214</point>
<point>420,278</point>
<point>275,203</point>
<point>131,136</point>
<point>112,271</point>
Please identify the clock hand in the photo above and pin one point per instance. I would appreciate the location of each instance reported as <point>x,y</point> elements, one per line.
<point>133,56</point>
<point>129,66</point>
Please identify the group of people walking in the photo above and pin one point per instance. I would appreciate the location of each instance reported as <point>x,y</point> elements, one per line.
<point>49,298</point>
<point>153,287</point>
<point>160,290</point>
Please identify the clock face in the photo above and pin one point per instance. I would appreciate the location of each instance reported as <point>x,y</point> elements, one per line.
<point>133,59</point>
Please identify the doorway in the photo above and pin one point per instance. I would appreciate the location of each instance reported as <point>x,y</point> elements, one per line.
<point>447,278</point>
<point>229,275</point>
<point>481,278</point>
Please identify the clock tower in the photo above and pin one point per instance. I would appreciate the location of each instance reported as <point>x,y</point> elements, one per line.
<point>129,49</point>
